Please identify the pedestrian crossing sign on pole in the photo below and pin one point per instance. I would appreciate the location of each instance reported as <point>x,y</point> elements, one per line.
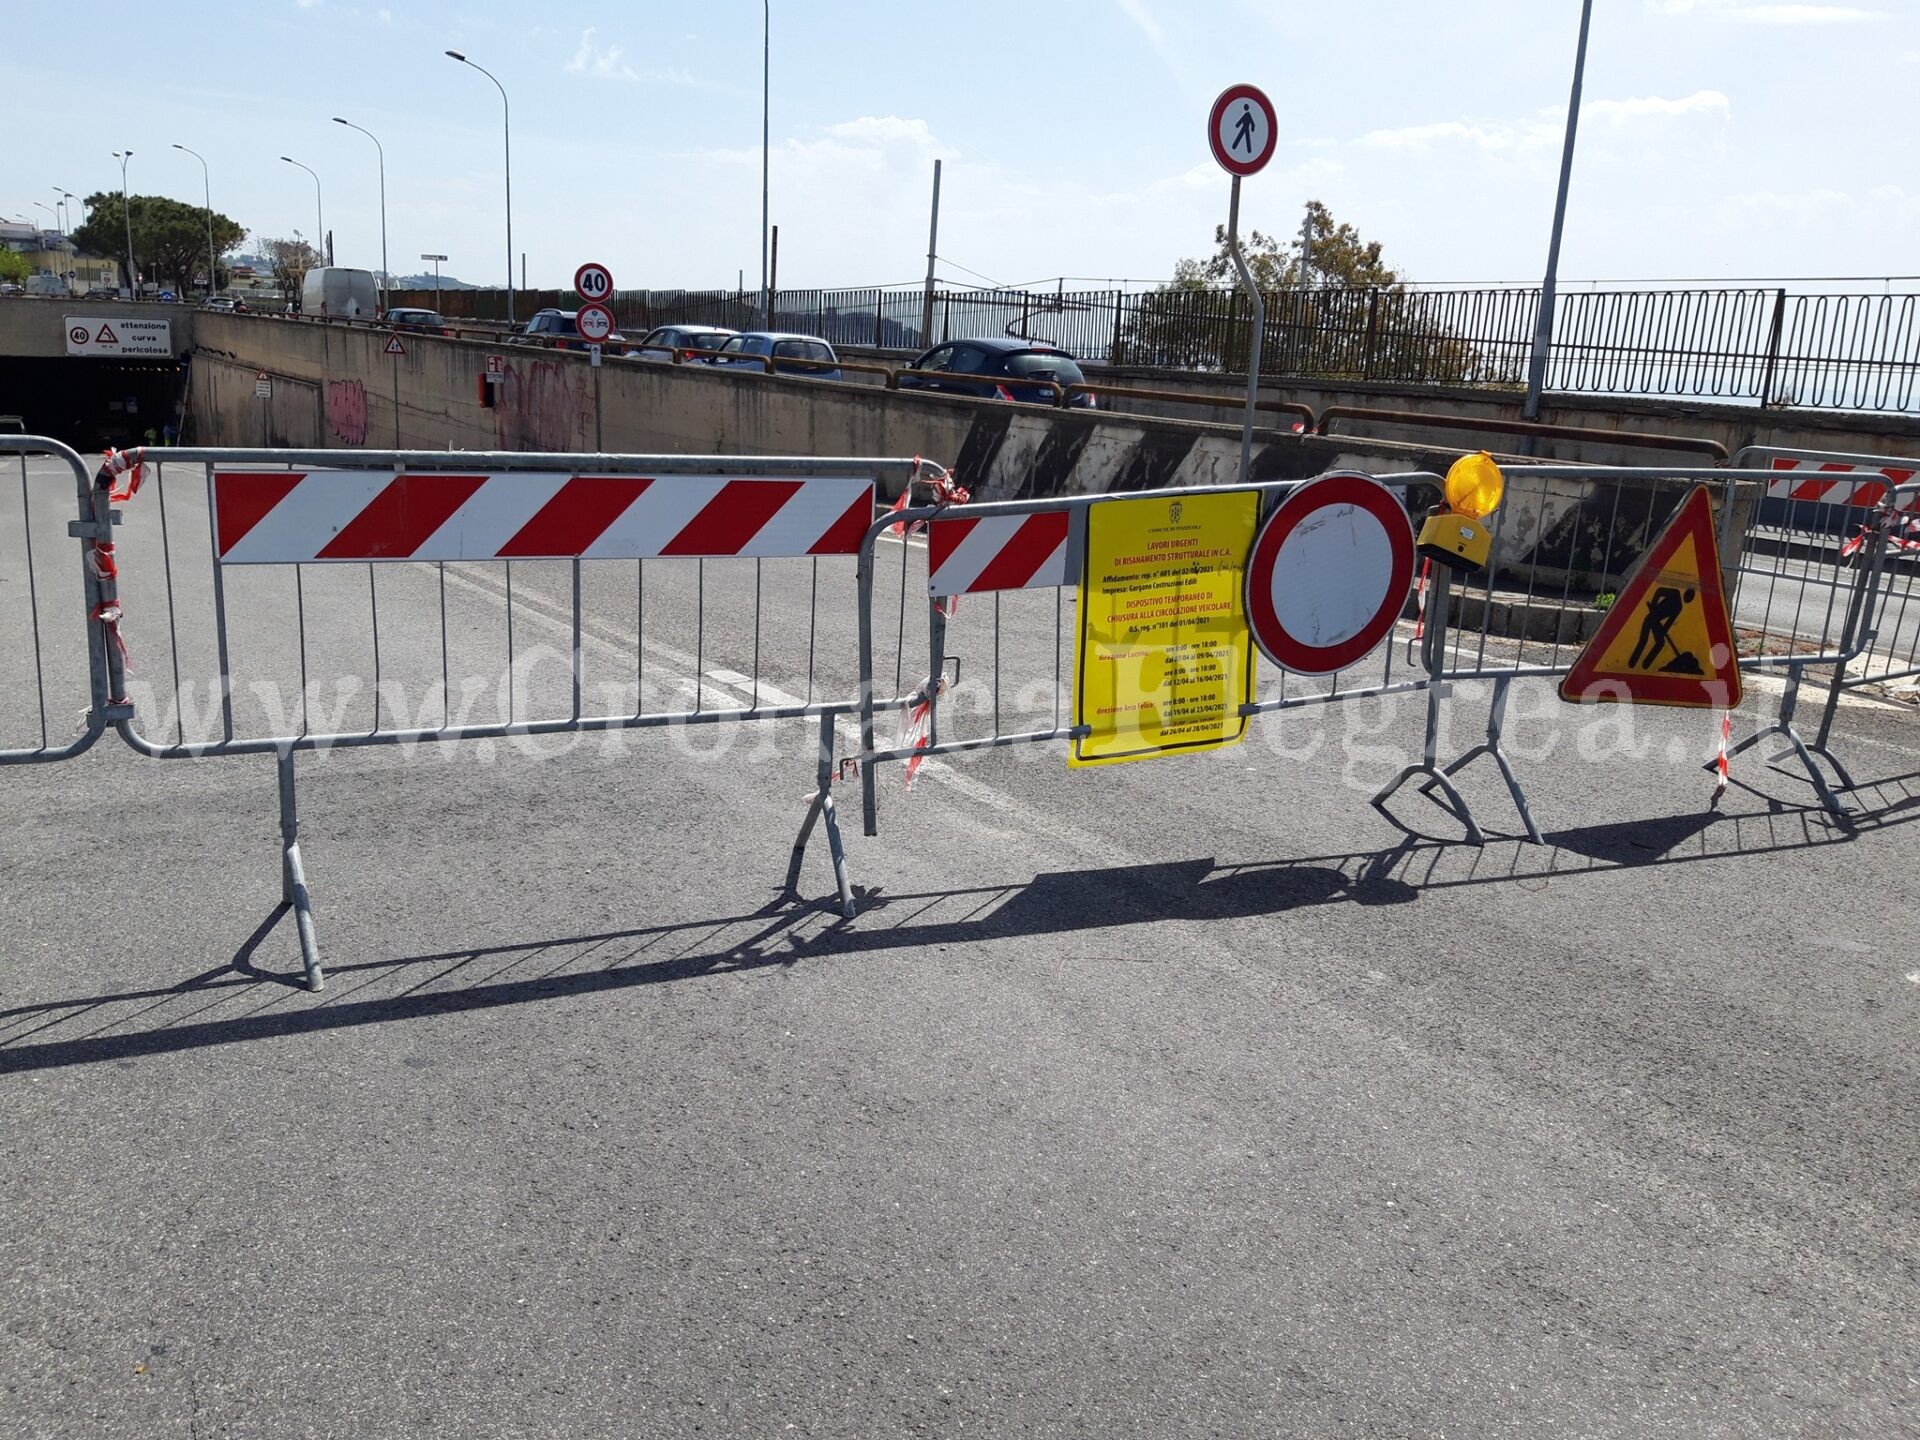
<point>1668,639</point>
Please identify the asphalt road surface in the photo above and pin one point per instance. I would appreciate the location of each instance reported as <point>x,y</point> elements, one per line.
<point>1190,1097</point>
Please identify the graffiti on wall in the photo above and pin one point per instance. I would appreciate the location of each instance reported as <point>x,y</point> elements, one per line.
<point>347,411</point>
<point>544,406</point>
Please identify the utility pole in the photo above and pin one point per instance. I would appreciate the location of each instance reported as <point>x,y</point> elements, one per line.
<point>933,244</point>
<point>1543,325</point>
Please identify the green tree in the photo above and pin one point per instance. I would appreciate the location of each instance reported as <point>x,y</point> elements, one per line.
<point>13,266</point>
<point>1356,316</point>
<point>291,259</point>
<point>169,236</point>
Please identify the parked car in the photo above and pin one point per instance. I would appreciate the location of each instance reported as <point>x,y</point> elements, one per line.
<point>995,366</point>
<point>560,329</point>
<point>683,337</point>
<point>778,347</point>
<point>426,322</point>
<point>101,292</point>
<point>229,304</point>
<point>11,289</point>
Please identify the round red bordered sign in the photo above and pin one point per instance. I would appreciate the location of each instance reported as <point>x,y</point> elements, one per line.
<point>594,322</point>
<point>1242,130</point>
<point>1329,574</point>
<point>593,283</point>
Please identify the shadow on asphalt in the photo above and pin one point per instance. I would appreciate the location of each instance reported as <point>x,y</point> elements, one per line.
<point>789,930</point>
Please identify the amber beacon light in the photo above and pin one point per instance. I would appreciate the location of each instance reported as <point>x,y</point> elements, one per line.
<point>1454,533</point>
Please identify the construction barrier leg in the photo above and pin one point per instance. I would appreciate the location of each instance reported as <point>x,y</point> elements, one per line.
<point>820,807</point>
<point>293,876</point>
<point>1798,748</point>
<point>1434,654</point>
<point>1496,728</point>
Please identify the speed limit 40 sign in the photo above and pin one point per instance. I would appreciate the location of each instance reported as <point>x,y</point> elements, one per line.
<point>593,283</point>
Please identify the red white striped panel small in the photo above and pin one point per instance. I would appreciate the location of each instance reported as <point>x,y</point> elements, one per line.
<point>279,517</point>
<point>997,552</point>
<point>1836,484</point>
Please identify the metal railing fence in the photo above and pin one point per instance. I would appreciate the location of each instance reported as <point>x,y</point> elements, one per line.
<point>1761,345</point>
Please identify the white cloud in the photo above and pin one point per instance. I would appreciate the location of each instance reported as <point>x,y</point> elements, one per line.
<point>1545,128</point>
<point>1618,112</point>
<point>610,63</point>
<point>1137,12</point>
<point>1766,12</point>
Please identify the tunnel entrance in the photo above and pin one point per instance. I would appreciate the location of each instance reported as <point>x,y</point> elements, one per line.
<point>91,403</point>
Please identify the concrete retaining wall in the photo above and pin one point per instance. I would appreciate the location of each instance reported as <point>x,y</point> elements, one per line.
<point>336,386</point>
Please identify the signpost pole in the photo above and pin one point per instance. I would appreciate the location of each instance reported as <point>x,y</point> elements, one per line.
<point>1248,284</point>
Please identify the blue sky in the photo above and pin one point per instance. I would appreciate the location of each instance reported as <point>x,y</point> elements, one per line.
<point>1720,138</point>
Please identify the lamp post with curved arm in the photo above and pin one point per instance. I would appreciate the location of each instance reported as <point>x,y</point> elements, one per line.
<point>126,212</point>
<point>506,125</point>
<point>319,215</point>
<point>206,188</point>
<point>381,151</point>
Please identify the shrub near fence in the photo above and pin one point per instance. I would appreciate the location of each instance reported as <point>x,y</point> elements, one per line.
<point>1857,352</point>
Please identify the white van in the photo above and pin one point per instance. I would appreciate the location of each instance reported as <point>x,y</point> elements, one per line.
<point>337,293</point>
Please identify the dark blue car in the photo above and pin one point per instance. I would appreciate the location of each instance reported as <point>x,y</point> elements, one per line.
<point>998,367</point>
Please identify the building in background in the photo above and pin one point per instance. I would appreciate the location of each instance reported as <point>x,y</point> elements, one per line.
<point>57,266</point>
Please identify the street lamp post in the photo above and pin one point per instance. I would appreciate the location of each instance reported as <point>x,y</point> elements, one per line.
<point>1543,323</point>
<point>126,213</point>
<point>766,90</point>
<point>380,150</point>
<point>66,229</point>
<point>206,189</point>
<point>506,125</point>
<point>319,215</point>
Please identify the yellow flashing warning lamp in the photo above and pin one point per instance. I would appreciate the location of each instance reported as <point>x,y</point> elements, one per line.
<point>1453,534</point>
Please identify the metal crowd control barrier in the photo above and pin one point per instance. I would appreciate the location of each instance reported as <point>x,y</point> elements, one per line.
<point>289,589</point>
<point>78,648</point>
<point>292,581</point>
<point>976,584</point>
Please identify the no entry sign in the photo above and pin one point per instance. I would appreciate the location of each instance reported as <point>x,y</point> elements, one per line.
<point>1242,131</point>
<point>1329,574</point>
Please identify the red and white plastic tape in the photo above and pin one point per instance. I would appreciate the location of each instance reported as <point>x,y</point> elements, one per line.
<point>281,517</point>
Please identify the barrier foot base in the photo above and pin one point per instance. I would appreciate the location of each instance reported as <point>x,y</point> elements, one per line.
<point>820,807</point>
<point>1804,753</point>
<point>1496,723</point>
<point>1453,803</point>
<point>1487,747</point>
<point>293,875</point>
<point>295,888</point>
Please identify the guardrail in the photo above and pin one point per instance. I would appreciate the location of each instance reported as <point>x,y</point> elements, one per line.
<point>1494,425</point>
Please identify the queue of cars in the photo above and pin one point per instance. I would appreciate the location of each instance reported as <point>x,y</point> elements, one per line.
<point>986,367</point>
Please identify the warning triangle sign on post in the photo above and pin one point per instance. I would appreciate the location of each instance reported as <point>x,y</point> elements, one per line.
<point>394,347</point>
<point>1668,639</point>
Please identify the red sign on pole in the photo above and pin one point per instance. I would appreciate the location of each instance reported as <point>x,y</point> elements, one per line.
<point>595,323</point>
<point>593,283</point>
<point>1329,574</point>
<point>1242,130</point>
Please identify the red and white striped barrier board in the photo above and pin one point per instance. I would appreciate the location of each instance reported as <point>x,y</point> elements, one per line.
<point>997,552</point>
<point>1835,484</point>
<point>279,517</point>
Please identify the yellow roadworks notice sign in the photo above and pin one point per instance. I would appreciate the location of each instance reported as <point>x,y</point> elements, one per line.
<point>1163,660</point>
